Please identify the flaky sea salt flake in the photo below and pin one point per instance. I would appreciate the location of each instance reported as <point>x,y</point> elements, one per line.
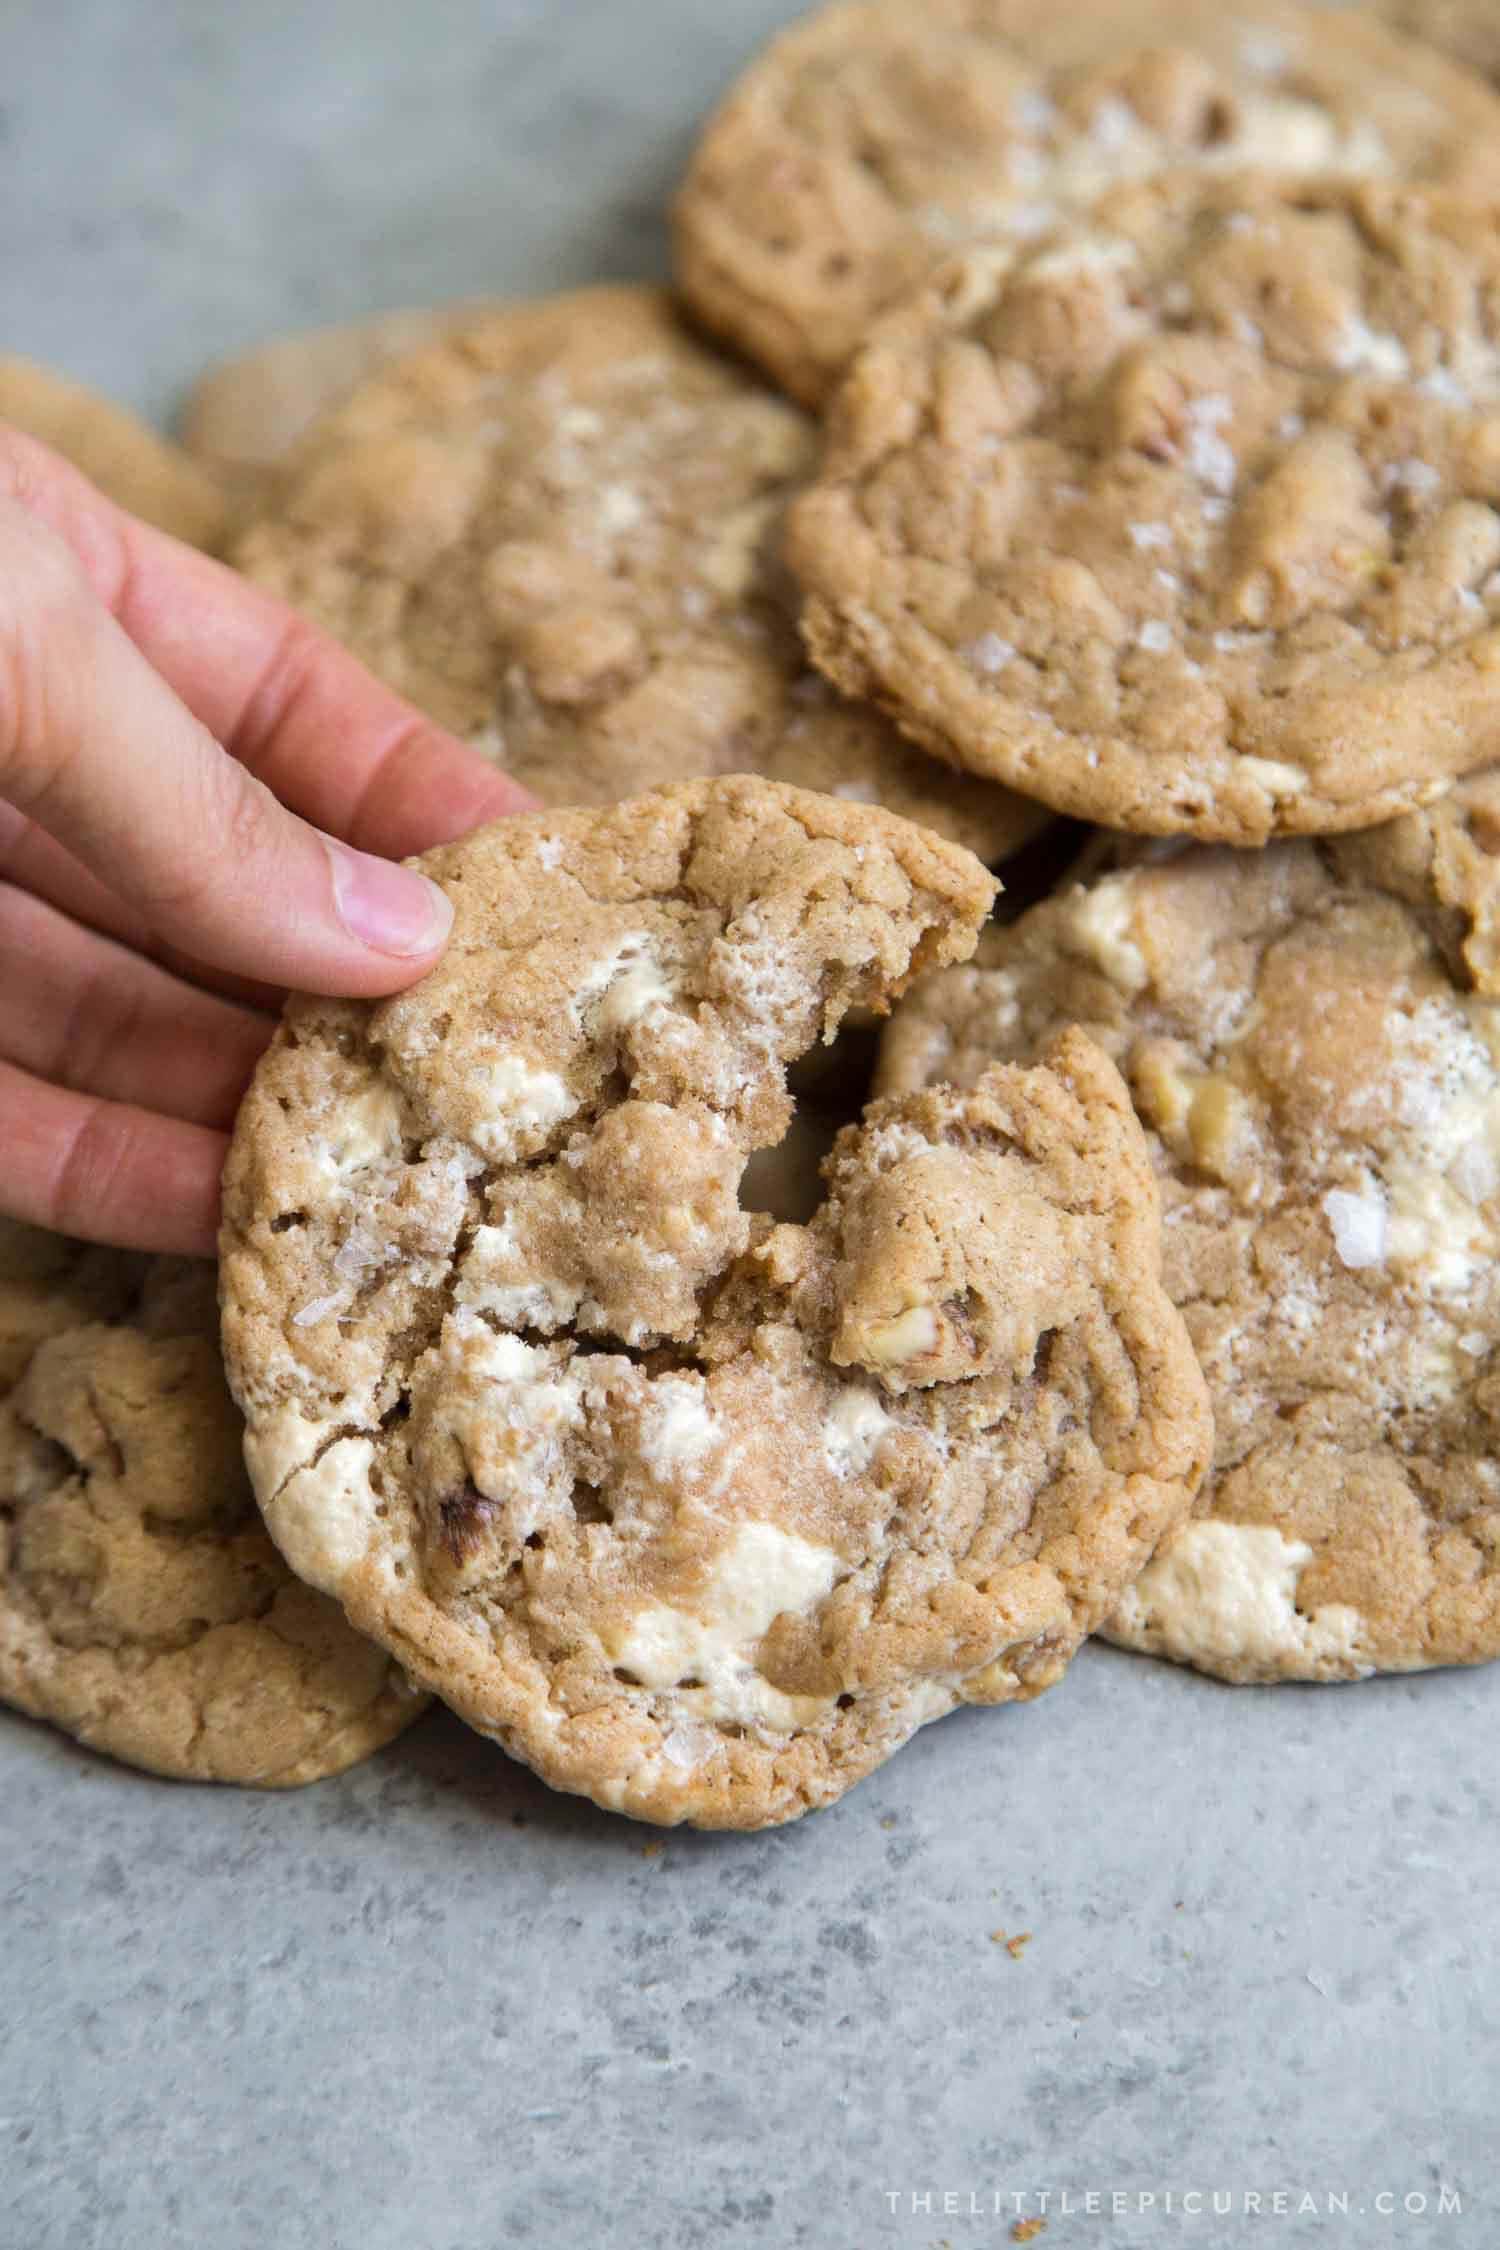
<point>1359,1227</point>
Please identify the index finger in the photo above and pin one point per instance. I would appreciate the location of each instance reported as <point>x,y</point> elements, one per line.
<point>300,712</point>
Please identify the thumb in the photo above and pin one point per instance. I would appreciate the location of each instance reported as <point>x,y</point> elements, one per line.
<point>96,748</point>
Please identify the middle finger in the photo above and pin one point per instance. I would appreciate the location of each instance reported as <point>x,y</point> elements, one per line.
<point>90,1015</point>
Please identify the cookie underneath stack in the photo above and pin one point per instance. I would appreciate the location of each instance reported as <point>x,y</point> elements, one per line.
<point>695,1420</point>
<point>557,529</point>
<point>1321,1086</point>
<point>142,1606</point>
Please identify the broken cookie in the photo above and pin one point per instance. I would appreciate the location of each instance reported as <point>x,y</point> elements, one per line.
<point>700,1514</point>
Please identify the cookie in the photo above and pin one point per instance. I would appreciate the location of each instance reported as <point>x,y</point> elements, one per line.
<point>700,1515</point>
<point>1185,523</point>
<point>49,1283</point>
<point>555,531</point>
<point>243,418</point>
<point>143,1610</point>
<point>122,455</point>
<point>1466,30</point>
<point>1444,862</point>
<point>869,142</point>
<point>1322,1088</point>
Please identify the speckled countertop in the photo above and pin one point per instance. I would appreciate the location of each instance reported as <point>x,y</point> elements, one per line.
<point>431,2007</point>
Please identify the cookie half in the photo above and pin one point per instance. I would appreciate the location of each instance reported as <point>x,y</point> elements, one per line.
<point>870,142</point>
<point>143,1610</point>
<point>557,531</point>
<point>1321,1086</point>
<point>1187,522</point>
<point>700,1514</point>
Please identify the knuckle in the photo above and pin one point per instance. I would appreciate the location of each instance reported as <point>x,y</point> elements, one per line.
<point>83,1186</point>
<point>251,821</point>
<point>236,828</point>
<point>43,595</point>
<point>25,464</point>
<point>103,1018</point>
<point>18,837</point>
<point>34,1029</point>
<point>288,681</point>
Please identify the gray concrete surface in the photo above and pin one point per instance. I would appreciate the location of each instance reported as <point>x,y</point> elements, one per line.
<point>429,2007</point>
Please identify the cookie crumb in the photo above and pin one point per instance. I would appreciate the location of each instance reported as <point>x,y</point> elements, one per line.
<point>1027,2230</point>
<point>1014,1946</point>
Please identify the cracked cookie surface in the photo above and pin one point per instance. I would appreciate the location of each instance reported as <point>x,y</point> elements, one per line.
<point>700,1514</point>
<point>1189,522</point>
<point>556,530</point>
<point>142,1607</point>
<point>1321,1084</point>
<point>870,141</point>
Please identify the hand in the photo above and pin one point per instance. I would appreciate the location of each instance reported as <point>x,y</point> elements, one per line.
<point>192,785</point>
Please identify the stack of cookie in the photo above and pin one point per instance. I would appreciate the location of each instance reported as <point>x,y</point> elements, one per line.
<point>1161,364</point>
<point>1121,442</point>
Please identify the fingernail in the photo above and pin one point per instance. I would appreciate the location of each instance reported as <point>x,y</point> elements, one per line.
<point>386,906</point>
